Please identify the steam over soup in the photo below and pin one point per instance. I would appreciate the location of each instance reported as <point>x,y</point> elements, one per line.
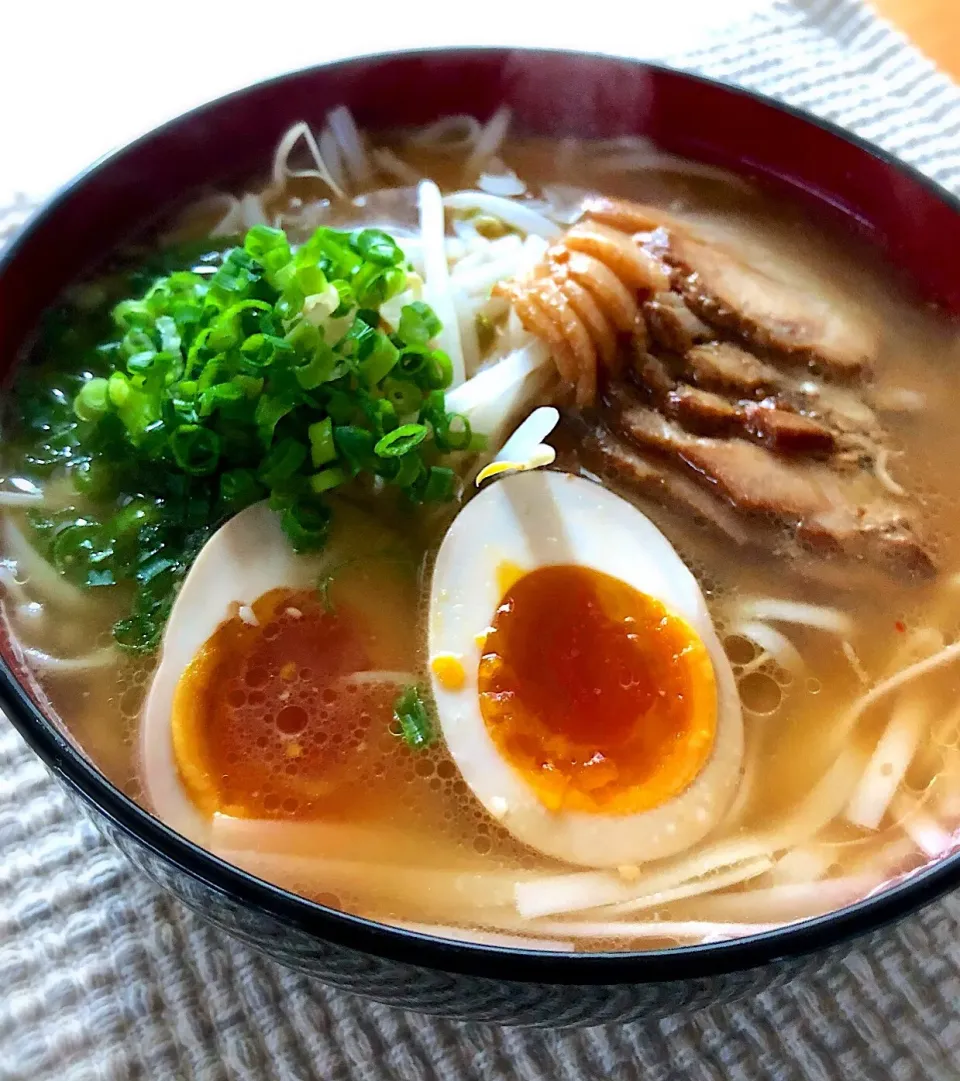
<point>524,542</point>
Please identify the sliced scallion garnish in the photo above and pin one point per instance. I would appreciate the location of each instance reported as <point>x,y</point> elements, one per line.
<point>262,370</point>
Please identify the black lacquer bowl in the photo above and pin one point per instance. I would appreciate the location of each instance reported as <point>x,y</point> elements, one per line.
<point>913,224</point>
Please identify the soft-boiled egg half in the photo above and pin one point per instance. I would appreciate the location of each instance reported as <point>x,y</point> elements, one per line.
<point>278,672</point>
<point>579,682</point>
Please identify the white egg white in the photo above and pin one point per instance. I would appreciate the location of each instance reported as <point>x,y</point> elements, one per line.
<point>536,519</point>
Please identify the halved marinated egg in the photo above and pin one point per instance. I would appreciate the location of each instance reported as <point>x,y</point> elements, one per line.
<point>272,696</point>
<point>580,685</point>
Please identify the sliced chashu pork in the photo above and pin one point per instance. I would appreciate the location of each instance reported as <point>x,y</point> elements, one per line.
<point>672,325</point>
<point>684,500</point>
<point>833,513</point>
<point>704,412</point>
<point>750,290</point>
<point>771,313</point>
<point>727,368</point>
<point>781,452</point>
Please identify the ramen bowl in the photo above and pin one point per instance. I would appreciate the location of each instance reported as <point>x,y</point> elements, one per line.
<point>832,176</point>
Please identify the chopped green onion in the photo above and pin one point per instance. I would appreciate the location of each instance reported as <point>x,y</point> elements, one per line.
<point>282,461</point>
<point>409,470</point>
<point>318,369</point>
<point>306,525</point>
<point>440,485</point>
<point>401,440</point>
<point>438,372</point>
<point>355,445</point>
<point>377,246</point>
<point>322,449</point>
<point>412,718</point>
<point>94,478</point>
<point>404,396</point>
<point>222,377</point>
<point>327,479</point>
<point>196,450</point>
<point>92,400</point>
<point>239,488</point>
<point>418,323</point>
<point>380,361</point>
<point>269,412</point>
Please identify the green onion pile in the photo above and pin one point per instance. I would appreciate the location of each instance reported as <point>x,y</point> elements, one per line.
<point>262,371</point>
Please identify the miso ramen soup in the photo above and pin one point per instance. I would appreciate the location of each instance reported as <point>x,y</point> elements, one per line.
<point>530,542</point>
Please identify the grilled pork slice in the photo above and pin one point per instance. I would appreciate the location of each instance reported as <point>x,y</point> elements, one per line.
<point>772,421</point>
<point>835,513</point>
<point>672,325</point>
<point>771,309</point>
<point>726,367</point>
<point>746,289</point>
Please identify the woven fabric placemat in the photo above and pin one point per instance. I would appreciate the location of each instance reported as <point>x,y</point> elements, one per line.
<point>102,976</point>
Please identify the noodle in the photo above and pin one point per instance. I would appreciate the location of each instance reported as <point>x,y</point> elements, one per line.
<point>388,162</point>
<point>15,500</point>
<point>452,134</point>
<point>100,658</point>
<point>251,211</point>
<point>883,474</point>
<point>506,184</point>
<point>333,158</point>
<point>281,169</point>
<point>945,656</point>
<point>773,643</point>
<point>719,881</point>
<point>585,889</point>
<point>487,142</point>
<point>785,903</point>
<point>889,763</point>
<point>37,574</point>
<point>810,615</point>
<point>441,891</point>
<point>351,145</point>
<point>803,864</point>
<point>858,670</point>
<point>437,275</point>
<point>511,213</point>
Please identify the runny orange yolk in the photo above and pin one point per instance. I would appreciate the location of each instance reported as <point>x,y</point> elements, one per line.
<point>264,723</point>
<point>599,696</point>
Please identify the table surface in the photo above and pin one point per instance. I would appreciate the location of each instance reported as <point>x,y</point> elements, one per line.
<point>933,25</point>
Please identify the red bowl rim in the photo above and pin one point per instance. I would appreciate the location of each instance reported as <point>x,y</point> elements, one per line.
<point>71,767</point>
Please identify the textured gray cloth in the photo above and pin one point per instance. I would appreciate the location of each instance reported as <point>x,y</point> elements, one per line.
<point>102,976</point>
